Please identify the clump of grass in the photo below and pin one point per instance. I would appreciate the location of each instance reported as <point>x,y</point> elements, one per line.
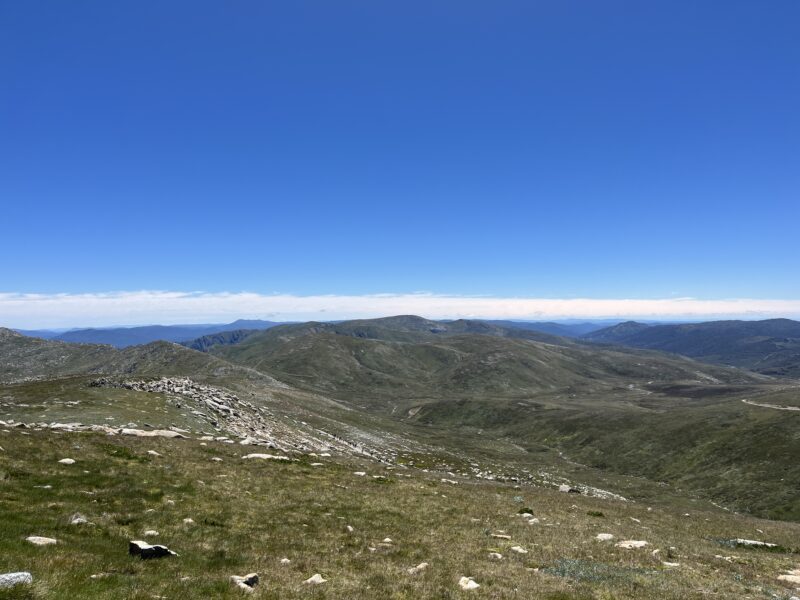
<point>595,513</point>
<point>594,572</point>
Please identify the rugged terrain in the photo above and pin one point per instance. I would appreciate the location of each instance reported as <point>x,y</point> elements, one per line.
<point>459,429</point>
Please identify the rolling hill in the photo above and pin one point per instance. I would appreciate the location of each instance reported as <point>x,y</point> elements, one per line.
<point>122,337</point>
<point>770,346</point>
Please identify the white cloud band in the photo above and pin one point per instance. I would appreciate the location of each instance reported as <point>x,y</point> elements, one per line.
<point>150,307</point>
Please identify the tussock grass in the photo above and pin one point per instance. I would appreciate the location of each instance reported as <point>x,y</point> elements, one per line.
<point>250,514</point>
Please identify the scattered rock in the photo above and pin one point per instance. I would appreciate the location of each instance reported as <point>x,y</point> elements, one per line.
<point>285,561</point>
<point>495,556</point>
<point>387,540</point>
<point>188,521</point>
<point>153,453</point>
<point>246,582</point>
<point>38,540</point>
<point>267,456</point>
<point>67,461</point>
<point>146,551</point>
<point>150,533</point>
<point>670,565</point>
<point>419,568</point>
<point>792,576</point>
<point>519,550</point>
<point>360,474</point>
<point>166,433</point>
<point>78,519</point>
<point>568,489</point>
<point>349,528</point>
<point>501,536</point>
<point>631,544</point>
<point>9,580</point>
<point>752,543</point>
<point>216,459</point>
<point>315,579</point>
<point>604,537</point>
<point>467,583</point>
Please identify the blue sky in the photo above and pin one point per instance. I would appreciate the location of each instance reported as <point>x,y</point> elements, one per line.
<point>508,149</point>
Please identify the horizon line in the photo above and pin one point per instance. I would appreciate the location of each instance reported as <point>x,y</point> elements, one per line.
<point>148,307</point>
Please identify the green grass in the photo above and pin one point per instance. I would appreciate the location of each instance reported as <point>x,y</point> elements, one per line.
<point>250,514</point>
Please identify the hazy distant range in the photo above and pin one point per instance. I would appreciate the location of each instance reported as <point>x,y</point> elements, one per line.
<point>122,337</point>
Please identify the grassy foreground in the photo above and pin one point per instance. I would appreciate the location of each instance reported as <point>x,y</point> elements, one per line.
<point>250,514</point>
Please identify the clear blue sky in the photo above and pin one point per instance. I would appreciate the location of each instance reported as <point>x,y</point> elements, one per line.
<point>547,149</point>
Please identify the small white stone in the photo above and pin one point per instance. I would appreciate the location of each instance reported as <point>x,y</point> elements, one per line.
<point>315,579</point>
<point>420,567</point>
<point>285,561</point>
<point>519,550</point>
<point>495,556</point>
<point>631,544</point>
<point>360,474</point>
<point>67,461</point>
<point>150,533</point>
<point>604,537</point>
<point>38,540</point>
<point>153,453</point>
<point>467,583</point>
<point>188,521</point>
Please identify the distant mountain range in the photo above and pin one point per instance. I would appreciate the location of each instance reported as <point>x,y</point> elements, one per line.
<point>122,337</point>
<point>770,346</point>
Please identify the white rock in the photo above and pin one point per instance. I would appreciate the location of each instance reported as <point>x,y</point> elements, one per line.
<point>420,567</point>
<point>38,540</point>
<point>317,464</point>
<point>145,550</point>
<point>78,519</point>
<point>495,556</point>
<point>519,550</point>
<point>266,456</point>
<point>315,579</point>
<point>467,583</point>
<point>150,533</point>
<point>501,536</point>
<point>360,474</point>
<point>349,529</point>
<point>166,433</point>
<point>9,580</point>
<point>188,521</point>
<point>216,459</point>
<point>67,461</point>
<point>670,564</point>
<point>631,544</point>
<point>153,453</point>
<point>245,583</point>
<point>604,537</point>
<point>753,543</point>
<point>285,561</point>
<point>387,541</point>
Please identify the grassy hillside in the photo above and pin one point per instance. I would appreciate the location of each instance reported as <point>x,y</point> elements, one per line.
<point>771,346</point>
<point>248,515</point>
<point>631,412</point>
